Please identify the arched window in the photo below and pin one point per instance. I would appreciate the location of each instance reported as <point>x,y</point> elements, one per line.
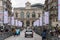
<point>22,14</point>
<point>33,14</point>
<point>38,14</point>
<point>27,14</point>
<point>27,23</point>
<point>16,14</point>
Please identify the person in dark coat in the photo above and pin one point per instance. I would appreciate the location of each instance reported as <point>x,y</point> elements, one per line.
<point>44,33</point>
<point>56,29</point>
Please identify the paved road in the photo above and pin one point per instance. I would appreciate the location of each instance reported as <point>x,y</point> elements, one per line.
<point>21,37</point>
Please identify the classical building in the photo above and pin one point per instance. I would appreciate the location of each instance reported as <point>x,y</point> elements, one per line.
<point>28,14</point>
<point>5,5</point>
<point>52,7</point>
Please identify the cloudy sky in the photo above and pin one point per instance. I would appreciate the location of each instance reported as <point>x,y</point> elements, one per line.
<point>21,3</point>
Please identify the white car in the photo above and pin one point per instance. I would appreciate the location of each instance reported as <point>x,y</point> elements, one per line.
<point>29,32</point>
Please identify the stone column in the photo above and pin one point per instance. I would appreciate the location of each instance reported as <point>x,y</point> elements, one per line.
<point>30,14</point>
<point>25,23</point>
<point>36,15</point>
<point>24,14</point>
<point>30,23</point>
<point>18,15</point>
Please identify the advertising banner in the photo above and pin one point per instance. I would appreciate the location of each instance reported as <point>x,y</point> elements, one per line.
<point>36,23</point>
<point>20,24</point>
<point>58,10</point>
<point>5,17</point>
<point>12,20</point>
<point>40,21</point>
<point>46,18</point>
<point>16,22</point>
<point>9,20</point>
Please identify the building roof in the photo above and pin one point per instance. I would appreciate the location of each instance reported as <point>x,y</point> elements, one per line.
<point>39,5</point>
<point>34,6</point>
<point>23,8</point>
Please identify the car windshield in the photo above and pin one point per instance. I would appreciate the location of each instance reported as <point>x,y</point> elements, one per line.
<point>30,30</point>
<point>1,27</point>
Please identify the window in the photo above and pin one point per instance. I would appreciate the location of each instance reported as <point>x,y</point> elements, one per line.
<point>56,19</point>
<point>33,14</point>
<point>53,19</point>
<point>27,23</point>
<point>16,14</point>
<point>27,14</point>
<point>38,14</point>
<point>22,14</point>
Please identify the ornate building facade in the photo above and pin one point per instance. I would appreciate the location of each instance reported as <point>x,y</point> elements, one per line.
<point>27,14</point>
<point>52,7</point>
<point>5,5</point>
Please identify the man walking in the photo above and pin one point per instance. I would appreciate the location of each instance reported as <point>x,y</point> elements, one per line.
<point>44,33</point>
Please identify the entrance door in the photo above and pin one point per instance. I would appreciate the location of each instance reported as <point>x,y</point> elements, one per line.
<point>27,23</point>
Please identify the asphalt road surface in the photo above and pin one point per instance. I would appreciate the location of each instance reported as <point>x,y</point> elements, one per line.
<point>21,37</point>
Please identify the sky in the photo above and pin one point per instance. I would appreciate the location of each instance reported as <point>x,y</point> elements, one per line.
<point>21,3</point>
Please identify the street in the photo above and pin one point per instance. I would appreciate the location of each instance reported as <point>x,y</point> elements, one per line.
<point>21,37</point>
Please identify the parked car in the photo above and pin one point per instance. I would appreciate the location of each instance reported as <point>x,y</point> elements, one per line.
<point>1,28</point>
<point>29,32</point>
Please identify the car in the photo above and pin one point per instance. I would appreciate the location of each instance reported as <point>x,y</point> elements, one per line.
<point>17,32</point>
<point>29,32</point>
<point>1,28</point>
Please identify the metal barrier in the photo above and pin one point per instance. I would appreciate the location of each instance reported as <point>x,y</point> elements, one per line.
<point>49,37</point>
<point>53,38</point>
<point>1,37</point>
<point>37,30</point>
<point>5,35</point>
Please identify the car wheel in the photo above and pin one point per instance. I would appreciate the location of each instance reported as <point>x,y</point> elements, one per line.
<point>31,36</point>
<point>25,36</point>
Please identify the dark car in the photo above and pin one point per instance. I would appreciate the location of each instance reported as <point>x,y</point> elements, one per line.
<point>29,33</point>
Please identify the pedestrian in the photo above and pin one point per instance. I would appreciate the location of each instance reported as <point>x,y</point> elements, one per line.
<point>51,33</point>
<point>44,34</point>
<point>56,30</point>
<point>14,32</point>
